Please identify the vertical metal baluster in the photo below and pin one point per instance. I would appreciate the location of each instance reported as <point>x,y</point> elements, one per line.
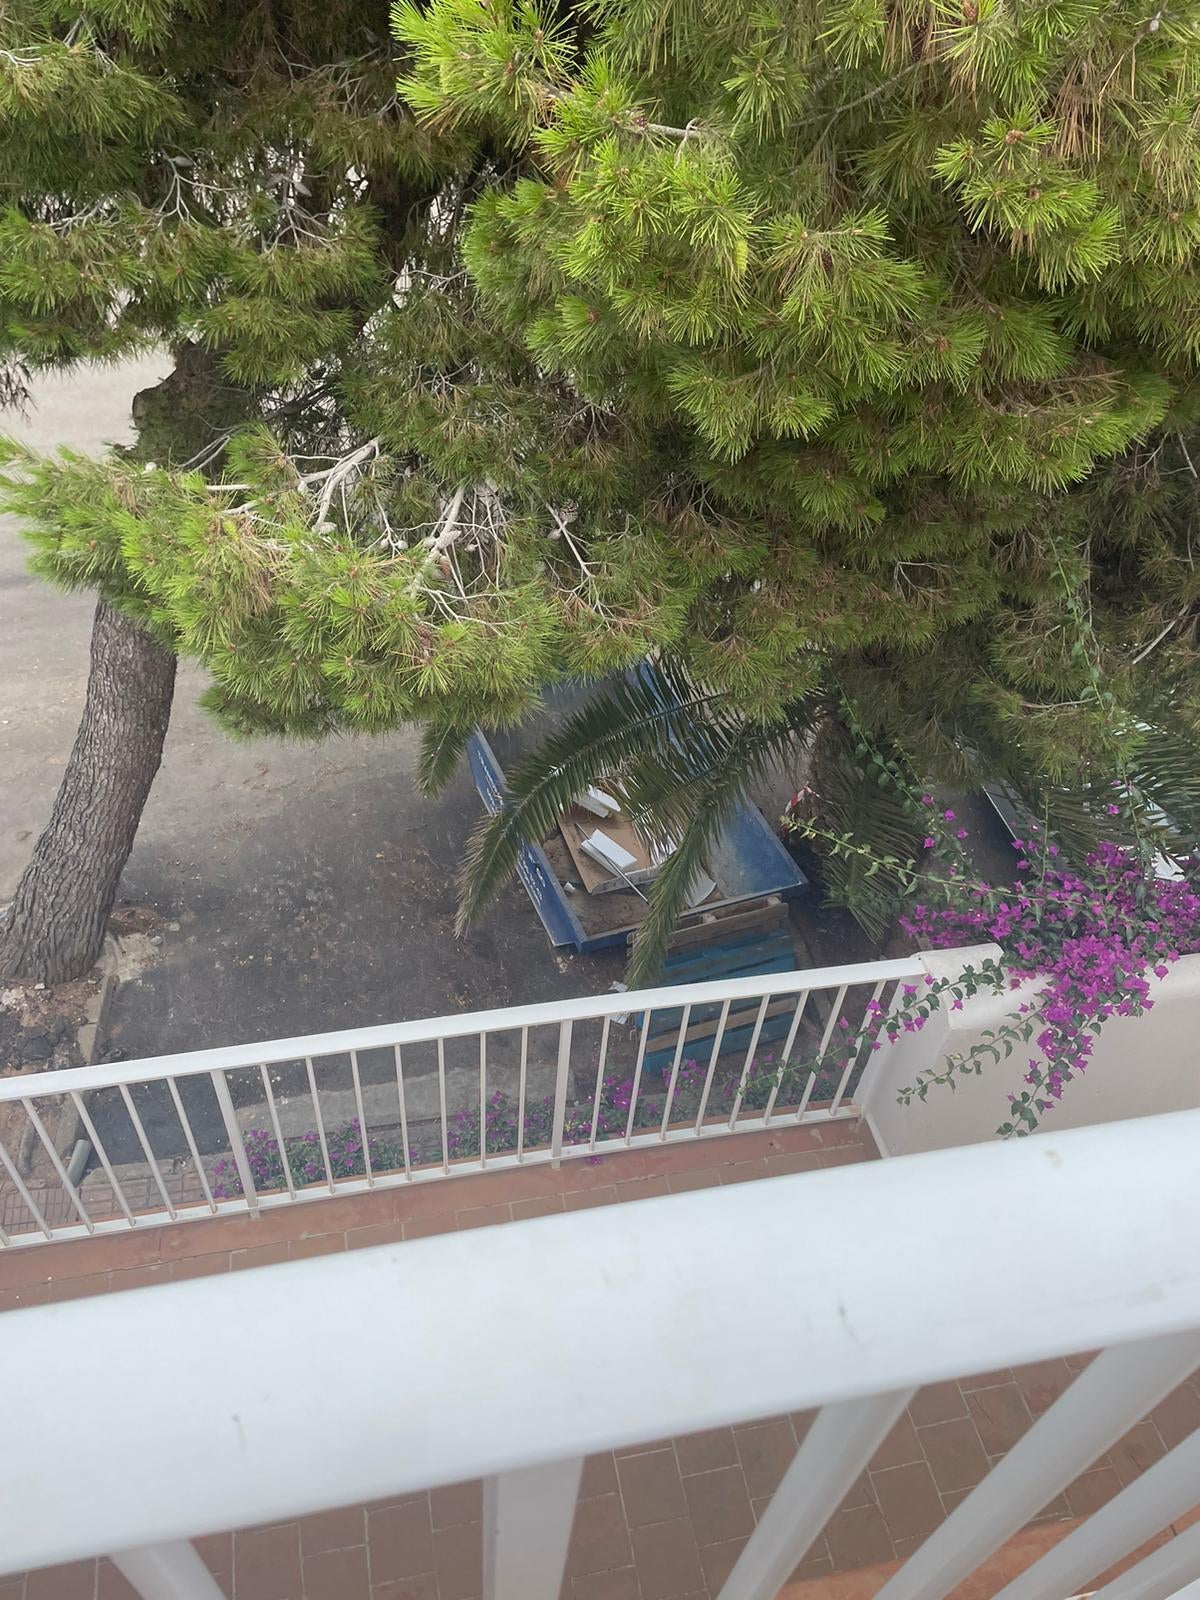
<point>186,1125</point>
<point>403,1111</point>
<point>1104,1401</point>
<point>237,1145</point>
<point>1162,1574</point>
<point>10,1167</point>
<point>4,1239</point>
<point>279,1144</point>
<point>56,1162</point>
<point>362,1119</point>
<point>683,1028</point>
<point>98,1147</point>
<point>483,1099</point>
<point>837,1448</point>
<point>320,1121</point>
<point>637,1077</point>
<point>712,1063</point>
<point>599,1090</point>
<point>521,1095</point>
<point>441,1060</point>
<point>561,1074</point>
<point>857,1050</point>
<point>527,1516</point>
<point>786,1052</point>
<point>145,1144</point>
<point>170,1571</point>
<point>748,1063</point>
<point>839,1000</point>
<point>1164,1493</point>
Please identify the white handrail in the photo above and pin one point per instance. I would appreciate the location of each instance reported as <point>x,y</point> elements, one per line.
<point>237,1400</point>
<point>457,1026</point>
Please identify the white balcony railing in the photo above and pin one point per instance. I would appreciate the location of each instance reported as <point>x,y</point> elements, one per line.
<point>513,1352</point>
<point>260,1125</point>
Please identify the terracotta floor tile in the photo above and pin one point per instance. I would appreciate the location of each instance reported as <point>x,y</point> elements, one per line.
<point>1177,1415</point>
<point>703,1452</point>
<point>744,1172</point>
<point>859,1494</point>
<point>648,1188</point>
<point>1056,1511</point>
<point>428,1227</point>
<point>374,1233</point>
<point>1093,1490</point>
<point>546,1205</point>
<point>599,1476</point>
<point>937,1402</point>
<point>1140,1448</point>
<point>858,1538</point>
<point>1001,1416</point>
<point>216,1552</point>
<point>31,1294</point>
<point>909,1500</point>
<point>419,1588</point>
<point>401,1540</point>
<point>72,1580</point>
<point>266,1563</point>
<point>582,1199</point>
<point>332,1530</point>
<point>801,1422</point>
<point>337,1575</point>
<point>766,1451</point>
<point>953,1498</point>
<point>681,1182</point>
<point>717,1561</point>
<point>619,1584</point>
<point>668,1560</point>
<point>483,1216</point>
<point>458,1561</point>
<point>1042,1382</point>
<point>599,1537</point>
<point>905,1547</point>
<point>641,1449</point>
<point>719,1505</point>
<point>899,1448</point>
<point>812,1567</point>
<point>986,1380</point>
<point>110,1584</point>
<point>651,1489</point>
<point>816,1562</point>
<point>457,1503</point>
<point>955,1456</point>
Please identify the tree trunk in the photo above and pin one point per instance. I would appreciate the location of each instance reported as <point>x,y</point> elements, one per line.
<point>54,928</point>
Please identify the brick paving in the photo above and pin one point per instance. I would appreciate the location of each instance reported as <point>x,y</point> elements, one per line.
<point>662,1521</point>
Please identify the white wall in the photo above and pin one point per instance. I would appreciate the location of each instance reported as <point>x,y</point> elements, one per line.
<point>1140,1065</point>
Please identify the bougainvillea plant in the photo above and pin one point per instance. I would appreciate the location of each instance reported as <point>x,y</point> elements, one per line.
<point>1082,943</point>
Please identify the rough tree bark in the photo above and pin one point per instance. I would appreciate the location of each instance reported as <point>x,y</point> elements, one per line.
<point>55,925</point>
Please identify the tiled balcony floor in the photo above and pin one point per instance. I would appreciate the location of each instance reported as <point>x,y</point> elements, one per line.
<point>663,1521</point>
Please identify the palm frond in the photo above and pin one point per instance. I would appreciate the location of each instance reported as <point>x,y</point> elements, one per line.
<point>851,802</point>
<point>637,719</point>
<point>441,749</point>
<point>711,798</point>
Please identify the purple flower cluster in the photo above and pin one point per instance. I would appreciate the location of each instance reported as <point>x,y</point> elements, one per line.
<point>1089,938</point>
<point>305,1159</point>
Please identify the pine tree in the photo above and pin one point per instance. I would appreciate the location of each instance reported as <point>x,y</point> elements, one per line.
<point>780,343</point>
<point>241,185</point>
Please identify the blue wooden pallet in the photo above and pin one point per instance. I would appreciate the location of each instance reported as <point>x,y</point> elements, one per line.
<point>753,954</point>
